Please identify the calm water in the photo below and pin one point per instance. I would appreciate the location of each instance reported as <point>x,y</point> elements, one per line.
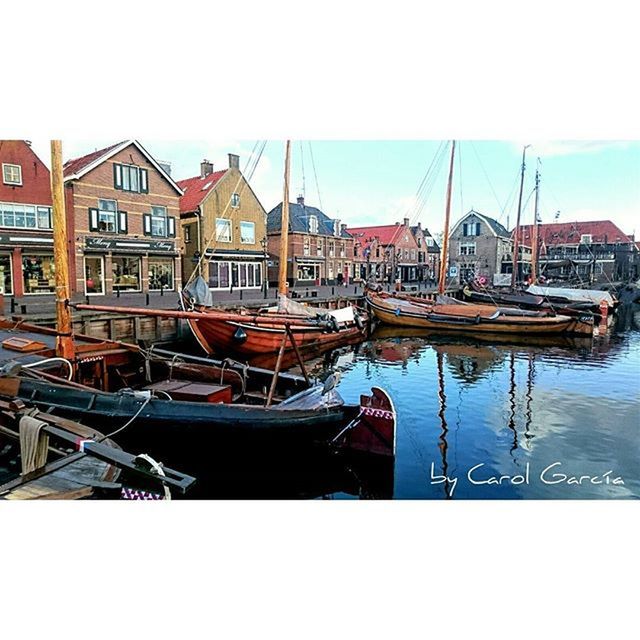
<point>512,409</point>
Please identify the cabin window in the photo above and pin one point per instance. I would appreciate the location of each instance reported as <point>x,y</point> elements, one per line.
<point>235,200</point>
<point>6,281</point>
<point>223,230</point>
<point>126,273</point>
<point>39,274</point>
<point>94,275</point>
<point>313,224</point>
<point>12,174</point>
<point>127,177</point>
<point>107,215</point>
<point>159,221</point>
<point>160,274</point>
<point>247,233</point>
<point>24,216</point>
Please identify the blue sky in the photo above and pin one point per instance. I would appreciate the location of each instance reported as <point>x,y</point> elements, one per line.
<point>375,182</point>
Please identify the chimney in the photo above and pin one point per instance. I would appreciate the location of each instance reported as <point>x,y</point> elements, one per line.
<point>420,226</point>
<point>234,161</point>
<point>301,200</point>
<point>343,227</point>
<point>406,222</point>
<point>397,224</point>
<point>206,168</point>
<point>336,227</point>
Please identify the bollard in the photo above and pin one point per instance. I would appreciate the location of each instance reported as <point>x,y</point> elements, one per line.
<point>23,309</point>
<point>13,305</point>
<point>241,292</point>
<point>161,289</point>
<point>86,298</point>
<point>333,291</point>
<point>146,295</point>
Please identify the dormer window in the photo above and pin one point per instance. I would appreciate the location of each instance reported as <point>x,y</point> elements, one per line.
<point>12,174</point>
<point>585,238</point>
<point>313,224</point>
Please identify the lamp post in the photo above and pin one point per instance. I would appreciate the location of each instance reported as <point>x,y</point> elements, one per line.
<point>265,280</point>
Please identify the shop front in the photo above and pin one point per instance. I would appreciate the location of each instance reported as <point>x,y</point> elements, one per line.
<point>113,266</point>
<point>235,270</point>
<point>308,270</point>
<point>26,265</point>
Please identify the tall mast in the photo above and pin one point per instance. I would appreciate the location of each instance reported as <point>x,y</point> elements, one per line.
<point>445,237</point>
<point>284,228</point>
<point>64,340</point>
<point>534,233</point>
<point>514,275</point>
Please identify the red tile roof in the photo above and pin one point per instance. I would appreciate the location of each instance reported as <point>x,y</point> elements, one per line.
<point>77,164</point>
<point>570,232</point>
<point>195,190</point>
<point>386,234</point>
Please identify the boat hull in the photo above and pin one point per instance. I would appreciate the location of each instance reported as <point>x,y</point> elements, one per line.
<point>471,318</point>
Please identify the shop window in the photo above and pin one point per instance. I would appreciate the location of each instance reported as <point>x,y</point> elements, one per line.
<point>94,275</point>
<point>24,216</point>
<point>126,273</point>
<point>160,274</point>
<point>39,274</point>
<point>6,282</point>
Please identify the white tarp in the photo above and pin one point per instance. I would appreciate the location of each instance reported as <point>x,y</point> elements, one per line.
<point>593,295</point>
<point>343,315</point>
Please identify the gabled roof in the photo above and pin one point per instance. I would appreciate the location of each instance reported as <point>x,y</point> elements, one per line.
<point>77,167</point>
<point>196,189</point>
<point>425,232</point>
<point>299,215</point>
<point>493,224</point>
<point>571,232</point>
<point>386,234</point>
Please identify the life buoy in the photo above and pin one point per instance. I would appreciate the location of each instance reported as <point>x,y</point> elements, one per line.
<point>482,280</point>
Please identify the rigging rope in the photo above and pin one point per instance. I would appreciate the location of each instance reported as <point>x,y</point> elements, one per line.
<point>313,164</point>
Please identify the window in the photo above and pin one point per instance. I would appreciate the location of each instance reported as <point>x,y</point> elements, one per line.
<point>12,174</point>
<point>187,233</point>
<point>467,248</point>
<point>235,200</point>
<point>331,248</point>
<point>93,275</point>
<point>39,274</point>
<point>128,177</point>
<point>342,250</point>
<point>471,229</point>
<point>126,273</point>
<point>160,274</point>
<point>320,247</point>
<point>313,224</point>
<point>247,233</point>
<point>305,246</point>
<point>419,241</point>
<point>6,282</point>
<point>159,221</point>
<point>430,242</point>
<point>223,230</point>
<point>24,216</point>
<point>107,215</point>
<point>585,238</point>
<point>240,274</point>
<point>308,272</point>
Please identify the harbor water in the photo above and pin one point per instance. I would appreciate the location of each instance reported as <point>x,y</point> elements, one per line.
<point>557,419</point>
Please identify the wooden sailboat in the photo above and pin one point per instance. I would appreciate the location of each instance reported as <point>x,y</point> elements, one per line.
<point>178,405</point>
<point>451,315</point>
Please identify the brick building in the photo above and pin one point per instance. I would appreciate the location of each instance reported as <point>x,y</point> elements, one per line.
<point>320,250</point>
<point>428,253</point>
<point>125,207</point>
<point>387,252</point>
<point>594,251</point>
<point>26,236</point>
<point>481,246</point>
<point>222,218</point>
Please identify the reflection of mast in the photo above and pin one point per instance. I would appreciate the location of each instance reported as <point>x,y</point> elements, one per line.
<point>530,378</point>
<point>512,401</point>
<point>443,445</point>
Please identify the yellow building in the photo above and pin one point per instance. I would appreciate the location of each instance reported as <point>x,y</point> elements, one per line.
<point>223,220</point>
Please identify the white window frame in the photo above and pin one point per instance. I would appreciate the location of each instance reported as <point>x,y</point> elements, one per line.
<point>156,218</point>
<point>35,207</point>
<point>226,222</point>
<point>106,211</point>
<point>313,224</point>
<point>253,227</point>
<point>84,279</point>
<point>467,246</point>
<point>12,183</point>
<point>252,272</point>
<point>586,235</point>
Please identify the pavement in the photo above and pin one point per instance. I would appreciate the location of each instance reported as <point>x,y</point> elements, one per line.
<point>44,305</point>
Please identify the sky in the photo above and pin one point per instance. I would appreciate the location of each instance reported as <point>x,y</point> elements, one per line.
<point>369,182</point>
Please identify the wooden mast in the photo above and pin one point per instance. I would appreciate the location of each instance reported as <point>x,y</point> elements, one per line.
<point>534,234</point>
<point>64,340</point>
<point>284,227</point>
<point>514,275</point>
<point>445,239</point>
